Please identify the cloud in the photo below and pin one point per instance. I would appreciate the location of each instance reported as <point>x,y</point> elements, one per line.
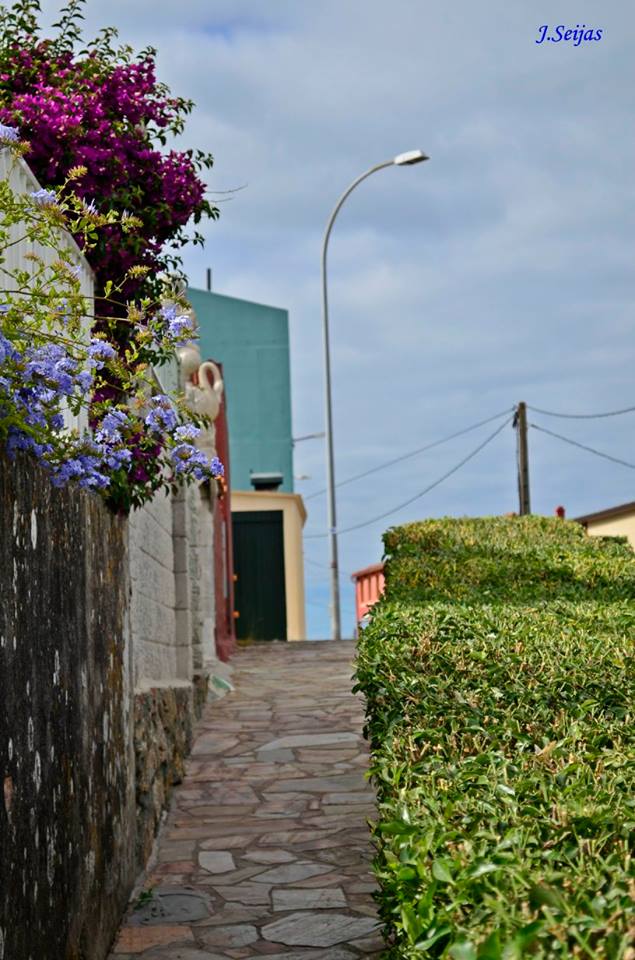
<point>499,271</point>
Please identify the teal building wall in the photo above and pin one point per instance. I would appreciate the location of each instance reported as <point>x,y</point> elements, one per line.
<point>252,343</point>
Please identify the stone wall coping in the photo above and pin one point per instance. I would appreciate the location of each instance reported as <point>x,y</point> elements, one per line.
<point>147,686</point>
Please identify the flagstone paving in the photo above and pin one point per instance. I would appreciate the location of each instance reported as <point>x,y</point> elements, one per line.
<point>266,850</point>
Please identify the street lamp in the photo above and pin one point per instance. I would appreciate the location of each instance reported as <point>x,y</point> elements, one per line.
<point>401,160</point>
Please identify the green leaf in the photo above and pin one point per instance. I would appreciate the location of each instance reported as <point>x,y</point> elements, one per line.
<point>411,922</point>
<point>483,868</point>
<point>491,948</point>
<point>528,934</point>
<point>441,872</point>
<point>465,950</point>
<point>433,935</point>
<point>542,895</point>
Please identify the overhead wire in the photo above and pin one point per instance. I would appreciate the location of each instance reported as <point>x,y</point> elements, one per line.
<point>423,492</point>
<point>324,566</point>
<point>581,416</point>
<point>583,446</point>
<point>459,433</point>
<point>413,453</point>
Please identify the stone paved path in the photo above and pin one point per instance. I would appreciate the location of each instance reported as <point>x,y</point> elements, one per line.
<point>266,851</point>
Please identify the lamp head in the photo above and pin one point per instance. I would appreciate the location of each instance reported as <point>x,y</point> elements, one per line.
<point>410,157</point>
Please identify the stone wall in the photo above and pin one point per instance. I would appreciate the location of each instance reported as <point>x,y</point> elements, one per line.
<point>67,821</point>
<point>163,718</point>
<point>172,634</point>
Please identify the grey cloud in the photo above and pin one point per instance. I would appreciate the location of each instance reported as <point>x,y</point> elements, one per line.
<point>499,271</point>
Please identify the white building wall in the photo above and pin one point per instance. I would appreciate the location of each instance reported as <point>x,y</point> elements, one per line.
<point>22,182</point>
<point>172,607</point>
<point>208,593</point>
<point>153,597</point>
<point>193,531</point>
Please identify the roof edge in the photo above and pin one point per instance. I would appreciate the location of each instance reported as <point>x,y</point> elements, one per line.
<point>623,509</point>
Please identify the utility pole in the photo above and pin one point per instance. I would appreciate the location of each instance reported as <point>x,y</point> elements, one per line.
<point>520,423</point>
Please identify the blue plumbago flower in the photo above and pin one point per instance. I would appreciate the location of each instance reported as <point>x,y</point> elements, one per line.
<point>168,312</point>
<point>176,328</point>
<point>186,432</point>
<point>188,460</point>
<point>117,458</point>
<point>180,328</point>
<point>162,416</point>
<point>8,134</point>
<point>86,469</point>
<point>89,206</point>
<point>186,457</point>
<point>85,380</point>
<point>114,420</point>
<point>43,197</point>
<point>111,426</point>
<point>217,468</point>
<point>62,309</point>
<point>19,440</point>
<point>52,364</point>
<point>99,351</point>
<point>7,350</point>
<point>4,308</point>
<point>95,480</point>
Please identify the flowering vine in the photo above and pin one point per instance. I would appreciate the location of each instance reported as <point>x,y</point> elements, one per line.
<point>93,122</point>
<point>97,105</point>
<point>135,440</point>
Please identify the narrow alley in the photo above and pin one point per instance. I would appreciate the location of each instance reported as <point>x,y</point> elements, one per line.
<point>266,850</point>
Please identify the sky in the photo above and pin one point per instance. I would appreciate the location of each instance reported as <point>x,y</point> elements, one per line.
<point>499,271</point>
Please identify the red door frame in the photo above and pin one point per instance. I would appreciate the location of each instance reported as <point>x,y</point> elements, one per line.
<point>223,548</point>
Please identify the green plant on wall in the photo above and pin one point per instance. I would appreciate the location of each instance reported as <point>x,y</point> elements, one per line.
<point>138,441</point>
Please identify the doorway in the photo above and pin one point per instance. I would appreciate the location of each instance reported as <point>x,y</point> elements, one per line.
<point>260,596</point>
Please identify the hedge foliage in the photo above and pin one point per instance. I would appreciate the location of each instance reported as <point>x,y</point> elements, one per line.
<point>503,744</point>
<point>514,560</point>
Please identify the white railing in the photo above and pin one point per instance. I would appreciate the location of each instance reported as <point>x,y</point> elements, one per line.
<point>17,257</point>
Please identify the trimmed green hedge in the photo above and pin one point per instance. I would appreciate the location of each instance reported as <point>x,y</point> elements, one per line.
<point>503,750</point>
<point>510,559</point>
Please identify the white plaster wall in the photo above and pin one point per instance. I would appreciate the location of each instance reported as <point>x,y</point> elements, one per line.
<point>182,596</point>
<point>614,527</point>
<point>202,577</point>
<point>16,257</point>
<point>152,602</point>
<point>194,574</point>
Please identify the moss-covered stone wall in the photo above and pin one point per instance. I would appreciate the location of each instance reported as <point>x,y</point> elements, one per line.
<point>68,818</point>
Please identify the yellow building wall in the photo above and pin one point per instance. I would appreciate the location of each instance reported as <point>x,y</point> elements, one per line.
<point>615,527</point>
<point>293,519</point>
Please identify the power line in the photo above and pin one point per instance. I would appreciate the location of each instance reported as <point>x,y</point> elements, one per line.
<point>324,566</point>
<point>581,416</point>
<point>422,493</point>
<point>582,446</point>
<point>413,453</point>
<point>325,606</point>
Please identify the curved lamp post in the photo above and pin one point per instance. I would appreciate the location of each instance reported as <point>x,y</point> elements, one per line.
<point>402,160</point>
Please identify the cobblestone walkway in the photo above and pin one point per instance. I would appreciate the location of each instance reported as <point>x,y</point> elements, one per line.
<point>266,851</point>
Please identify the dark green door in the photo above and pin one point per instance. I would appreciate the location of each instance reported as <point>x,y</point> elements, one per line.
<point>259,565</point>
